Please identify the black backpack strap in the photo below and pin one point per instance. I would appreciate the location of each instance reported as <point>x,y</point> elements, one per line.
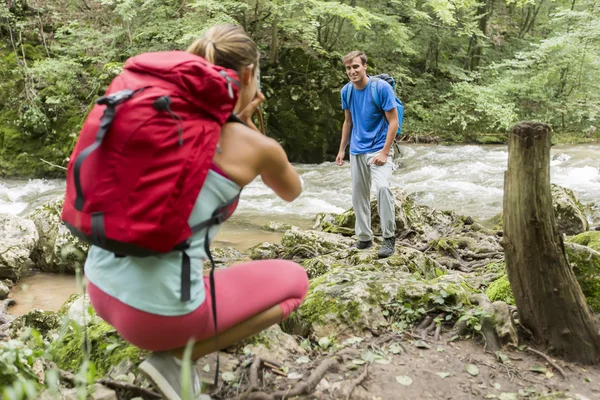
<point>111,102</point>
<point>218,217</point>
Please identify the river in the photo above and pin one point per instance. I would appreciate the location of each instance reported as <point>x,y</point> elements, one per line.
<point>465,179</point>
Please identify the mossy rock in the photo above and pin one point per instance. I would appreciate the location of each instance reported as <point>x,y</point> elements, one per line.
<point>265,251</point>
<point>107,348</point>
<point>590,239</point>
<point>569,213</point>
<point>585,262</point>
<point>500,290</point>
<point>408,216</point>
<point>40,320</point>
<point>275,226</point>
<point>365,298</point>
<point>301,244</point>
<point>57,250</point>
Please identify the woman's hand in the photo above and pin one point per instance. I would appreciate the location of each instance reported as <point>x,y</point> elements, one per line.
<point>246,114</point>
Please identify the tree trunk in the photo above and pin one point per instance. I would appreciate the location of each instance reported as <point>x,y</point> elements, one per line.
<point>548,297</point>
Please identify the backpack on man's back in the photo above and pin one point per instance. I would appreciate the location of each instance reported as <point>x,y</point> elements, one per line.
<point>374,82</point>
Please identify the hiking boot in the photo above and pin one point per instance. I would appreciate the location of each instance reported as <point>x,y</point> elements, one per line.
<point>387,248</point>
<point>363,244</point>
<point>165,372</point>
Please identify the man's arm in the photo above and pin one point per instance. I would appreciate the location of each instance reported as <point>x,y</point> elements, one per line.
<point>392,116</point>
<point>346,129</point>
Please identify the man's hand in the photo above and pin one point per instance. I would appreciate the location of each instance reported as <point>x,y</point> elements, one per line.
<point>340,158</point>
<point>380,159</point>
<point>246,114</point>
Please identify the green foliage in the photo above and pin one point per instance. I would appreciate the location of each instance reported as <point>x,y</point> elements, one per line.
<point>466,70</point>
<point>500,290</point>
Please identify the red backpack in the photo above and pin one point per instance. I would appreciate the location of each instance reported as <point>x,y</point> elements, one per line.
<point>143,155</point>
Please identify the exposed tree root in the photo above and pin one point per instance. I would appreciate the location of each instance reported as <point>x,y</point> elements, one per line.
<point>357,381</point>
<point>548,359</point>
<point>329,364</point>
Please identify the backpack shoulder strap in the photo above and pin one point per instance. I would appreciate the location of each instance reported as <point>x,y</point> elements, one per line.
<point>347,93</point>
<point>374,84</point>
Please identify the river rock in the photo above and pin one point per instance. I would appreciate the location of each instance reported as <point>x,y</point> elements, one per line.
<point>4,290</point>
<point>40,320</point>
<point>569,213</point>
<point>264,251</point>
<point>276,226</point>
<point>57,249</point>
<point>18,237</point>
<point>585,262</point>
<point>273,344</point>
<point>301,244</point>
<point>409,216</point>
<point>590,239</point>
<point>365,298</point>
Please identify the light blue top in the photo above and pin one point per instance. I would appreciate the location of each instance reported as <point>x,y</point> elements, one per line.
<point>153,284</point>
<point>369,125</point>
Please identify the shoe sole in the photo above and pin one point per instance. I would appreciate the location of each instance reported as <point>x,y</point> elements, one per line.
<point>159,381</point>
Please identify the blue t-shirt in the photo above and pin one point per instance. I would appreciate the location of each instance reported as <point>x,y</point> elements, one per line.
<point>369,125</point>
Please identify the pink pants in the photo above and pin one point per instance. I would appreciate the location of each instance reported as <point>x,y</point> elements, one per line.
<point>242,291</point>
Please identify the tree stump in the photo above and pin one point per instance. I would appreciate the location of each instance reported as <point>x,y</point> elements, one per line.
<point>547,295</point>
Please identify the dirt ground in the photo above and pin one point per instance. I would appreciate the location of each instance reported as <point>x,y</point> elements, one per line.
<point>410,369</point>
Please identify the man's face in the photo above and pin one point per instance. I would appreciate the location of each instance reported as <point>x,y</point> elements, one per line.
<point>355,70</point>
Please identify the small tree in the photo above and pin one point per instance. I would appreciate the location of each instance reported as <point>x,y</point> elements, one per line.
<point>548,297</point>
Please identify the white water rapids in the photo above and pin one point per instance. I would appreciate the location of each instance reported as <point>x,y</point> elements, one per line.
<point>465,179</point>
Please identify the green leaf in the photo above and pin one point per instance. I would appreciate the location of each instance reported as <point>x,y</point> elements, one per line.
<point>443,375</point>
<point>395,348</point>
<point>404,380</point>
<point>206,368</point>
<point>420,344</point>
<point>302,360</point>
<point>538,368</point>
<point>472,369</point>
<point>228,377</point>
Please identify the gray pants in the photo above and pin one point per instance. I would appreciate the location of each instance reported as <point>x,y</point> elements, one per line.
<point>362,173</point>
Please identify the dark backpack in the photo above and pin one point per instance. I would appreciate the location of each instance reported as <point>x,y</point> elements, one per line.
<point>374,81</point>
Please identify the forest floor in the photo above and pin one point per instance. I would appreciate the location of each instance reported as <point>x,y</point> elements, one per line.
<point>409,368</point>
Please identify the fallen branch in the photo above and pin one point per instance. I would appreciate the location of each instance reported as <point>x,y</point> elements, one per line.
<point>53,165</point>
<point>254,373</point>
<point>109,383</point>
<point>438,333</point>
<point>545,357</point>
<point>357,382</point>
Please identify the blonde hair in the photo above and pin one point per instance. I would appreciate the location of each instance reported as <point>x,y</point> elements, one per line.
<point>228,46</point>
<point>352,55</point>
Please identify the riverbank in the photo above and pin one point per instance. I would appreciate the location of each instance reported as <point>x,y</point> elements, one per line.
<point>403,327</point>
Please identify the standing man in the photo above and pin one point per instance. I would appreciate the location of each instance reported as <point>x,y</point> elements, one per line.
<point>371,132</point>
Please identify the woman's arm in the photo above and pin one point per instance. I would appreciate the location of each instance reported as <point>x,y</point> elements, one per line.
<point>277,172</point>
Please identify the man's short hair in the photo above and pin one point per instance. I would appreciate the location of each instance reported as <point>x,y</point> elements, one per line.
<point>352,55</point>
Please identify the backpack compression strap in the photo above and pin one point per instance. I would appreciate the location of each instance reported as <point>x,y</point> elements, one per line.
<point>111,101</point>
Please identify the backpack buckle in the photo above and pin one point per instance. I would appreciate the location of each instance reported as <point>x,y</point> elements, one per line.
<point>115,98</point>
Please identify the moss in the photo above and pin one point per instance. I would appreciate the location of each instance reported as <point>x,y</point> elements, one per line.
<point>590,239</point>
<point>586,266</point>
<point>500,290</point>
<point>107,348</point>
<point>444,244</point>
<point>41,321</point>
